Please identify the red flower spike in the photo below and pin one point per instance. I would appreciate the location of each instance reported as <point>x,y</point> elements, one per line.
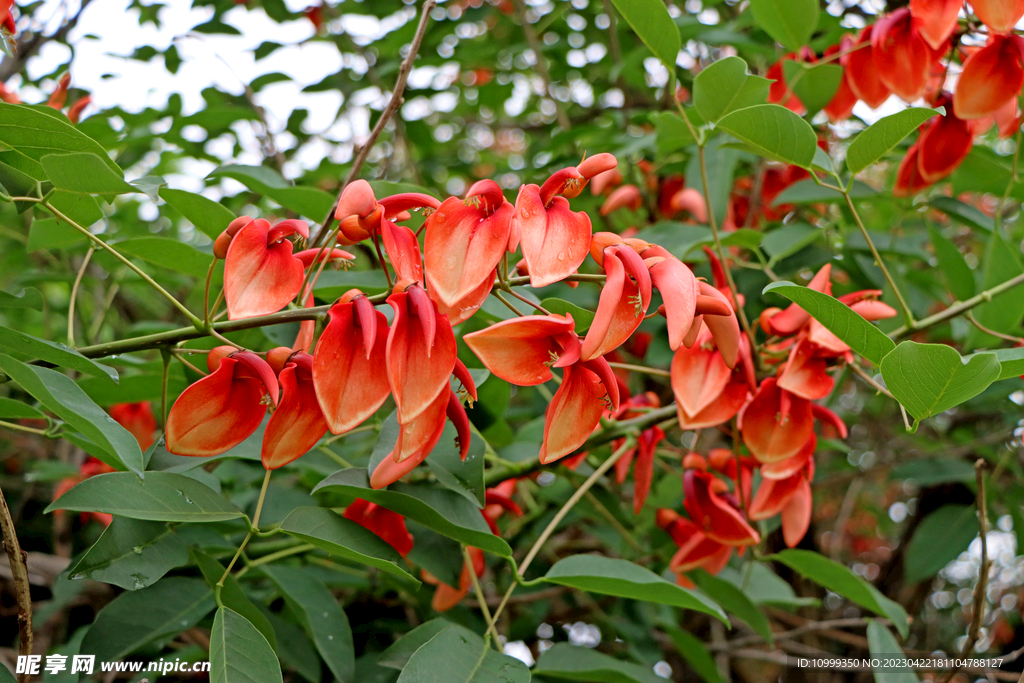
<point>699,376</point>
<point>6,18</point>
<point>624,197</point>
<point>775,425</point>
<point>944,144</point>
<point>298,423</point>
<point>999,15</point>
<point>724,328</point>
<point>60,95</point>
<point>574,411</point>
<point>522,350</point>
<point>796,516</point>
<point>357,199</point>
<point>678,288</point>
<point>597,164</point>
<point>862,73</point>
<point>991,77</point>
<point>465,240</point>
<point>805,375</point>
<point>773,495</point>
<point>901,55</point>
<point>840,107</point>
<point>76,109</point>
<point>222,409</point>
<point>402,247</point>
<point>692,202</point>
<point>398,204</point>
<point>416,439</point>
<point>713,515</point>
<point>420,352</point>
<point>793,318</point>
<point>625,297</point>
<point>643,471</point>
<point>386,524</point>
<point>347,362</point>
<point>909,180</point>
<point>465,307</point>
<point>553,238</point>
<point>260,273</point>
<point>138,419</point>
<point>457,414</point>
<point>936,20</point>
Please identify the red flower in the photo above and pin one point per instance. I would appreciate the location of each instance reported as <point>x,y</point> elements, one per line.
<point>909,180</point>
<point>587,388</point>
<point>707,392</point>
<point>625,296</point>
<point>901,54</point>
<point>388,525</point>
<point>861,71</point>
<point>776,423</point>
<point>944,144</point>
<point>138,419</point>
<point>696,549</point>
<point>298,422</point>
<point>792,497</point>
<point>999,15</point>
<point>523,350</point>
<point>936,20</point>
<point>991,77</point>
<point>714,510</point>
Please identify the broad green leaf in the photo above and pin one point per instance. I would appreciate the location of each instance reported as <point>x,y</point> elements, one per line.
<point>774,132</point>
<point>11,409</point>
<point>789,22</point>
<point>136,618</point>
<point>33,134</point>
<point>457,657</point>
<point>26,298</point>
<point>1011,362</point>
<point>839,579</point>
<point>397,656</point>
<point>131,554</point>
<point>720,162</point>
<point>232,595</point>
<point>1004,312</point>
<point>764,587</point>
<point>144,386</point>
<point>696,654</point>
<point>581,316</point>
<point>65,398</point>
<point>465,477</point>
<point>883,135</point>
<point>567,662</point>
<point>344,538</point>
<point>932,471</point>
<point>81,208</point>
<point>883,646</point>
<point>939,539</point>
<point>239,653</point>
<point>955,270</point>
<point>611,576</point>
<point>743,237</point>
<point>734,601</point>
<point>295,650</point>
<point>442,510</point>
<point>672,132</point>
<point>788,240</point>
<point>931,378</point>
<point>859,334</point>
<point>53,352</point>
<point>257,178</point>
<point>962,213</point>
<point>437,554</point>
<point>305,201</point>
<point>320,614</point>
<point>210,217</point>
<point>651,21</point>
<point>48,233</point>
<point>814,85</point>
<point>84,173</point>
<point>160,497</point>
<point>809,192</point>
<point>725,86</point>
<point>167,253</point>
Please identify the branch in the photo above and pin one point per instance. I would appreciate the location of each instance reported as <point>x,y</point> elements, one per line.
<point>389,111</point>
<point>28,47</point>
<point>19,570</point>
<point>957,308</point>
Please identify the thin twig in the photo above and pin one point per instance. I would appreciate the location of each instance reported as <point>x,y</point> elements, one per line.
<point>19,570</point>
<point>484,609</point>
<point>907,314</point>
<point>74,295</point>
<point>958,308</point>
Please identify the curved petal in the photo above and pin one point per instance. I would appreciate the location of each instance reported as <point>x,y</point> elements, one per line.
<point>805,375</point>
<point>678,288</point>
<point>909,180</point>
<point>259,280</point>
<point>720,411</point>
<point>347,376</point>
<point>573,414</point>
<point>862,73</point>
<point>773,495</point>
<point>624,197</point>
<point>298,423</point>
<point>796,516</point>
<point>718,519</point>
<point>216,413</point>
<point>403,249</point>
<point>389,526</point>
<point>724,328</point>
<point>417,371</point>
<point>521,350</point>
<point>944,144</point>
<point>901,55</point>
<point>936,20</point>
<point>999,15</point>
<point>991,77</point>
<point>416,440</point>
<point>699,376</point>
<point>465,307</point>
<point>624,300</point>
<point>769,430</point>
<point>555,241</point>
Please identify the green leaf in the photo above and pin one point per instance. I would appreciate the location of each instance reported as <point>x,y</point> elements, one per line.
<point>344,538</point>
<point>932,471</point>
<point>81,208</point>
<point>696,654</point>
<point>882,645</point>
<point>442,510</point>
<point>809,192</point>
<point>672,132</point>
<point>962,213</point>
<point>398,654</point>
<point>65,398</point>
<point>1004,312</point>
<point>931,378</point>
<point>48,233</point>
<point>859,334</point>
<point>160,497</point>
<point>33,134</point>
<point>774,132</point>
<point>465,477</point>
<point>788,240</point>
<point>167,253</point>
<point>611,576</point>
<point>572,663</point>
<point>136,618</point>
<point>939,539</point>
<point>839,579</point>
<point>743,237</point>
<point>11,409</point>
<point>764,587</point>
<point>813,85</point>
<point>883,135</point>
<point>26,298</point>
<point>259,179</point>
<point>651,21</point>
<point>320,615</point>
<point>52,352</point>
<point>457,657</point>
<point>131,554</point>
<point>1011,362</point>
<point>954,268</point>
<point>232,595</point>
<point>84,173</point>
<point>210,217</point>
<point>734,601</point>
<point>239,653</point>
<point>305,201</point>
<point>725,86</point>
<point>789,22</point>
<point>581,316</point>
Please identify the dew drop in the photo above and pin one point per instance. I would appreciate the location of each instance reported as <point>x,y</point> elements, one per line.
<point>137,550</point>
<point>188,500</point>
<point>330,637</point>
<point>76,577</point>
<point>561,256</point>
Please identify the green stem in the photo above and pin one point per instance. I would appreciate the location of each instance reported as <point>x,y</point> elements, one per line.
<point>907,315</point>
<point>74,296</point>
<point>957,308</point>
<point>254,527</point>
<point>206,291</point>
<point>165,356</point>
<point>484,609</point>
